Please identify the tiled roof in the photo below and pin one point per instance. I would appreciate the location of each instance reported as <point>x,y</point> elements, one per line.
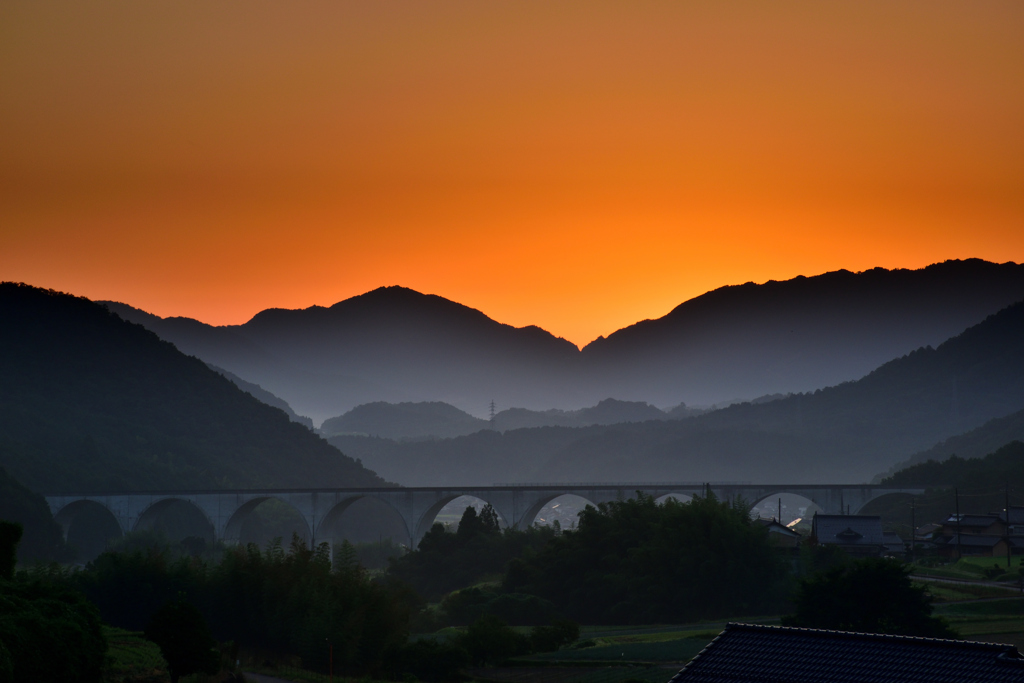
<point>1016,514</point>
<point>748,653</point>
<point>893,542</point>
<point>775,527</point>
<point>974,520</point>
<point>849,529</point>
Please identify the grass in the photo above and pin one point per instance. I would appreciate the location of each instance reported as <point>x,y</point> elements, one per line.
<point>998,621</point>
<point>132,659</point>
<point>976,568</point>
<point>676,650</point>
<point>955,592</point>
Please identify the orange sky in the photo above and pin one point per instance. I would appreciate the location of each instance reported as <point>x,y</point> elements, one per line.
<point>575,165</point>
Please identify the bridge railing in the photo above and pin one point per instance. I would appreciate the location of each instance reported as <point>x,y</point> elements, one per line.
<point>620,485</point>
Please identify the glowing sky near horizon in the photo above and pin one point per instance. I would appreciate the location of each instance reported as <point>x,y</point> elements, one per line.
<point>574,165</point>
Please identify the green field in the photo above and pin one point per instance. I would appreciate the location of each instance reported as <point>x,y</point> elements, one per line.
<point>998,621</point>
<point>956,592</point>
<point>991,568</point>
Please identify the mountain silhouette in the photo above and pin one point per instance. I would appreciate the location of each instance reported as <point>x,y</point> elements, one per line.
<point>845,433</point>
<point>797,335</point>
<point>392,344</point>
<point>89,401</point>
<point>396,345</point>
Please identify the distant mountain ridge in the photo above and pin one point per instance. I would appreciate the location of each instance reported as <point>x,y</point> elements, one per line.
<point>976,443</point>
<point>441,420</point>
<point>258,392</point>
<point>90,402</point>
<point>843,434</point>
<point>396,345</point>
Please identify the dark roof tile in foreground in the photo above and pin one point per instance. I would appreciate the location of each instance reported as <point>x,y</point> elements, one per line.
<point>748,653</point>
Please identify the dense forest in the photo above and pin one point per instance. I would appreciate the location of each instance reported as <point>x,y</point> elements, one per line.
<point>91,402</point>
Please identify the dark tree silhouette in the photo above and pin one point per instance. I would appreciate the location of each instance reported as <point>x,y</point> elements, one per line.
<point>184,639</point>
<point>10,534</point>
<point>868,596</point>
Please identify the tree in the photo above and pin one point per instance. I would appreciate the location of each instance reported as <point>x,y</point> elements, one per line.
<point>867,596</point>
<point>184,640</point>
<point>446,561</point>
<point>635,561</point>
<point>10,534</point>
<point>489,639</point>
<point>47,631</point>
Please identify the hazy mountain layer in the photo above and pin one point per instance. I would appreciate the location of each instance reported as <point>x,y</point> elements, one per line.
<point>975,443</point>
<point>264,396</point>
<point>845,433</point>
<point>396,345</point>
<point>404,421</point>
<point>441,420</point>
<point>91,402</point>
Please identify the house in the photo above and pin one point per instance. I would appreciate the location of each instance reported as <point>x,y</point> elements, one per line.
<point>858,535</point>
<point>968,545</point>
<point>974,525</point>
<point>982,535</point>
<point>1015,515</point>
<point>925,532</point>
<point>749,653</point>
<point>779,535</point>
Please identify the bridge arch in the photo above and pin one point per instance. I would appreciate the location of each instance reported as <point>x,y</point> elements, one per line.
<point>152,515</point>
<point>529,517</point>
<point>327,528</point>
<point>426,520</point>
<point>876,504</point>
<point>89,526</point>
<point>794,505</point>
<point>233,527</point>
<point>674,495</point>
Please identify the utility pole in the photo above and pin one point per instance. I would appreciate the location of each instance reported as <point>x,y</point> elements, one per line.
<point>913,531</point>
<point>956,497</point>
<point>780,511</point>
<point>1007,527</point>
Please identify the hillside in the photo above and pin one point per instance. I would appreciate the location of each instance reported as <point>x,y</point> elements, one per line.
<point>397,345</point>
<point>797,335</point>
<point>974,443</point>
<point>845,433</point>
<point>984,484</point>
<point>265,396</point>
<point>91,402</point>
<point>43,538</point>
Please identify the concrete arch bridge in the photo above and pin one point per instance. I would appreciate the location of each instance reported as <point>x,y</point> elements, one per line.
<point>517,505</point>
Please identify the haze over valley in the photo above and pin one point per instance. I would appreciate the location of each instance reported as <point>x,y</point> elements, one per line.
<point>739,342</point>
<point>952,332</point>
